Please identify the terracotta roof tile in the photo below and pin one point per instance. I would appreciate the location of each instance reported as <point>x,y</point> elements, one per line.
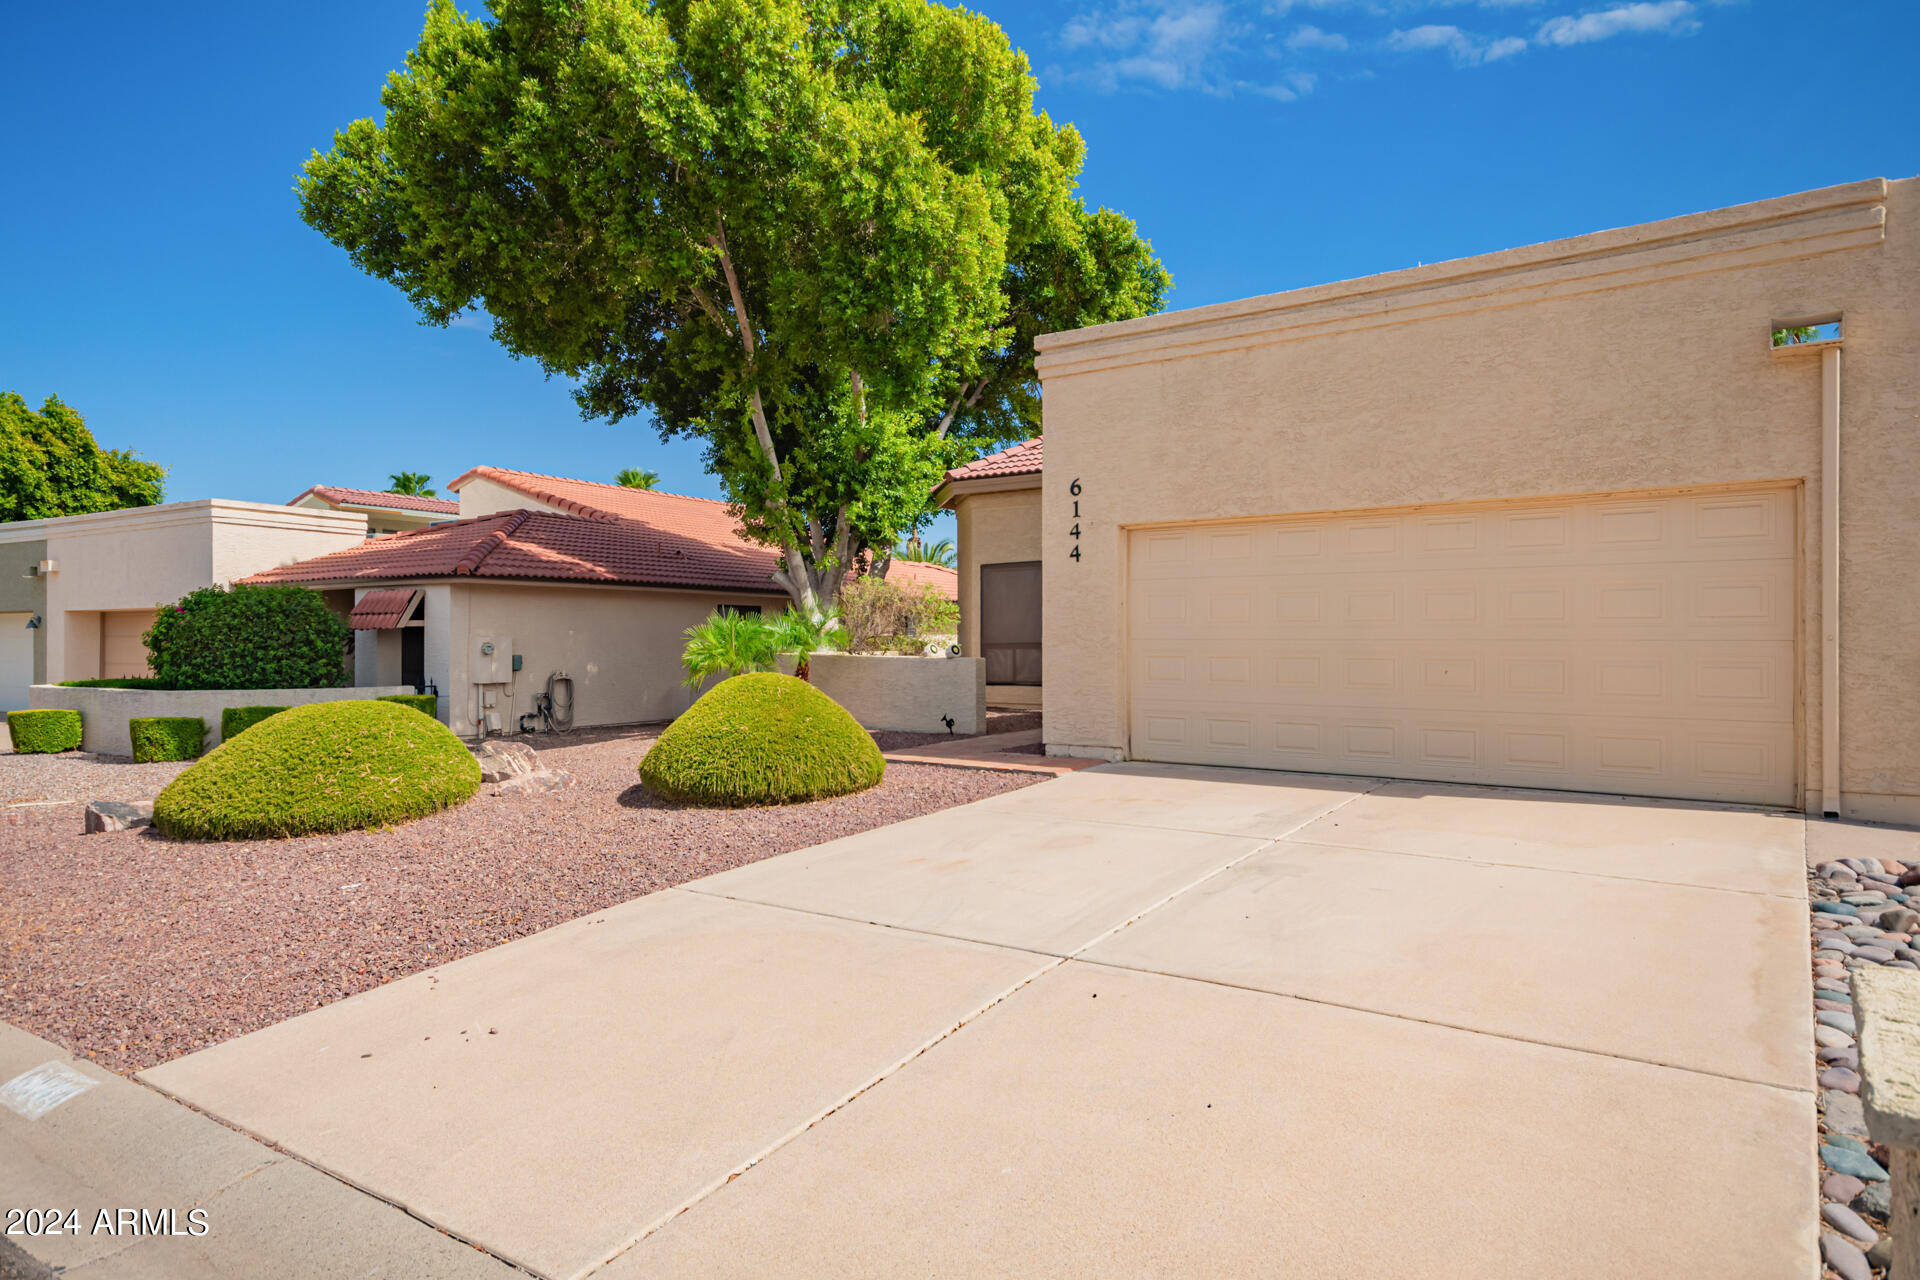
<point>547,545</point>
<point>369,498</point>
<point>1019,460</point>
<point>943,579</point>
<point>385,609</point>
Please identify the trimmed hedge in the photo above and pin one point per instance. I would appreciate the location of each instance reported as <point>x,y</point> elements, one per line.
<point>762,739</point>
<point>249,637</point>
<point>44,732</point>
<point>235,719</point>
<point>122,682</point>
<point>428,703</point>
<point>158,738</point>
<point>329,766</point>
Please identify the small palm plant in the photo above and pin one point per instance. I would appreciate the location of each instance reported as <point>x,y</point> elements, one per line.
<point>730,642</point>
<point>804,635</point>
<point>940,553</point>
<point>637,478</point>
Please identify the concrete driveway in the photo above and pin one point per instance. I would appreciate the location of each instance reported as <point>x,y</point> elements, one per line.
<point>1141,1020</point>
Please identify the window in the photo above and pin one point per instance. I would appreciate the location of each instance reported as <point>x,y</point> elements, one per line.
<point>753,609</point>
<point>1010,622</point>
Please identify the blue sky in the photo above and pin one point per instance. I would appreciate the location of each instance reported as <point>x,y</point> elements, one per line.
<point>155,273</point>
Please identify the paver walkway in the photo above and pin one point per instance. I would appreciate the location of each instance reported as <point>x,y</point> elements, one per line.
<point>1138,1020</point>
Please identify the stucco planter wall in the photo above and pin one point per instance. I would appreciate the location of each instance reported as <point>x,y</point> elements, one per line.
<point>104,712</point>
<point>884,691</point>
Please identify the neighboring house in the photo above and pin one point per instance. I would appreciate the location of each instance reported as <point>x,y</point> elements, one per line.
<point>542,580</point>
<point>384,512</point>
<point>488,608</point>
<point>1561,516</point>
<point>996,506</point>
<point>77,592</point>
<point>917,573</point>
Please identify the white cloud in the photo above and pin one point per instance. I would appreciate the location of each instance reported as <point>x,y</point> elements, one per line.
<point>1179,46</point>
<point>1226,47</point>
<point>1457,44</point>
<point>1311,37</point>
<point>1673,17</point>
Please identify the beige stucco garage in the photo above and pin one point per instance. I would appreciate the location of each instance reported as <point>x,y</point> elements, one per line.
<point>1558,516</point>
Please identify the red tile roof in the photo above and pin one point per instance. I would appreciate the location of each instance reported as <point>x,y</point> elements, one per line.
<point>547,545</point>
<point>368,498</point>
<point>385,609</point>
<point>1019,460</point>
<point>943,579</point>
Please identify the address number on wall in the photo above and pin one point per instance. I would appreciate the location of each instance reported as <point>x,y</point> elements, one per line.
<point>1074,489</point>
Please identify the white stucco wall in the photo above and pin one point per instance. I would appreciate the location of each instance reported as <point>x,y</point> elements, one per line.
<point>1625,361</point>
<point>894,691</point>
<point>621,646</point>
<point>104,713</point>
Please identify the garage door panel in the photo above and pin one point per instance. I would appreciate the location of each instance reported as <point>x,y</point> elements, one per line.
<point>1602,645</point>
<point>1739,681</point>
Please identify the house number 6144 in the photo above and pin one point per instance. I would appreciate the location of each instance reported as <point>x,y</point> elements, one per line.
<point>1074,489</point>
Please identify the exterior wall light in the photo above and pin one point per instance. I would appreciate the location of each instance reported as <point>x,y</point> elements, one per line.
<point>33,623</point>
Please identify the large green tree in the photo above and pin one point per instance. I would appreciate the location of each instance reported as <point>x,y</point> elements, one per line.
<point>818,235</point>
<point>51,466</point>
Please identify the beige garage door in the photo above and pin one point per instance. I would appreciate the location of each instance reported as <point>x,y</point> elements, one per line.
<point>1641,646</point>
<point>16,660</point>
<point>122,652</point>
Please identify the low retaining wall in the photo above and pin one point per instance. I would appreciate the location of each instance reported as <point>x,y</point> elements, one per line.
<point>104,712</point>
<point>887,692</point>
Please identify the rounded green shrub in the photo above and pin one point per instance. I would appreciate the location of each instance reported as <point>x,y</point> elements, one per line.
<point>331,766</point>
<point>158,738</point>
<point>762,739</point>
<point>237,719</point>
<point>44,732</point>
<point>426,703</point>
<point>249,637</point>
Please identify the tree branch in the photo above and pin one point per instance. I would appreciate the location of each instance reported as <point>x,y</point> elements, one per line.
<point>760,429</point>
<point>979,389</point>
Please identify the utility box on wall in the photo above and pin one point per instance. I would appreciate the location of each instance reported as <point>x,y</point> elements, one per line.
<point>491,661</point>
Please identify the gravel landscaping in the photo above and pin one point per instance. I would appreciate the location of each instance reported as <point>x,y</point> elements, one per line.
<point>997,722</point>
<point>131,949</point>
<point>1861,915</point>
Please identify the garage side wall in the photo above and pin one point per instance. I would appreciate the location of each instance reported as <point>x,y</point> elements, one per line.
<point>1626,361</point>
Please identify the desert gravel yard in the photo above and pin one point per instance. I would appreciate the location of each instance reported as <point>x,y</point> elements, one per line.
<point>131,949</point>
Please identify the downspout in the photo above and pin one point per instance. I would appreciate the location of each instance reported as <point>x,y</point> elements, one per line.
<point>1830,582</point>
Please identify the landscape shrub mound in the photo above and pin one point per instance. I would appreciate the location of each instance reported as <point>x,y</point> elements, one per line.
<point>44,732</point>
<point>158,738</point>
<point>762,739</point>
<point>331,766</point>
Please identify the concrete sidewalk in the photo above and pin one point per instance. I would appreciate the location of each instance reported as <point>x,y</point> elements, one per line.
<point>1138,1020</point>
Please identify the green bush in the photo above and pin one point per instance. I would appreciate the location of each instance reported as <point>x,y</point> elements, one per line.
<point>427,703</point>
<point>158,738</point>
<point>249,638</point>
<point>122,682</point>
<point>235,719</point>
<point>879,613</point>
<point>330,766</point>
<point>762,739</point>
<point>44,732</point>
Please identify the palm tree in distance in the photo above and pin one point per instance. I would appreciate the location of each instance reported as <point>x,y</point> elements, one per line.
<point>940,553</point>
<point>637,478</point>
<point>412,483</point>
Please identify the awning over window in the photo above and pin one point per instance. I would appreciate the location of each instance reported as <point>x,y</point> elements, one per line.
<point>385,609</point>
